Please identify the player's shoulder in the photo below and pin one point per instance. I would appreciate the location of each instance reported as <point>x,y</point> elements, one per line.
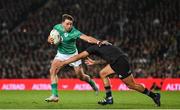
<point>58,27</point>
<point>74,29</point>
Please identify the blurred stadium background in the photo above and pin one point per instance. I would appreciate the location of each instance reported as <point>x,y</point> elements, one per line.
<point>148,30</point>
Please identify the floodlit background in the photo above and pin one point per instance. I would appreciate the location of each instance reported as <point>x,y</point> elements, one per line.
<point>147,30</point>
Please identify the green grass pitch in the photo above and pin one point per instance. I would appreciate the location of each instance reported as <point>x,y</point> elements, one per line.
<point>85,100</point>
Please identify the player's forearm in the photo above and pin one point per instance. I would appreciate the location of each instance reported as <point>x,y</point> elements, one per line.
<point>92,40</point>
<point>89,39</point>
<point>72,59</point>
<point>76,57</point>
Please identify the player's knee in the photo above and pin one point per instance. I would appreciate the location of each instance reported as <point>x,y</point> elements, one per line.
<point>79,74</point>
<point>102,74</point>
<point>52,71</point>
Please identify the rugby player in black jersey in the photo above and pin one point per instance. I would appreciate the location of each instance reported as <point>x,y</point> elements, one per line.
<point>117,63</point>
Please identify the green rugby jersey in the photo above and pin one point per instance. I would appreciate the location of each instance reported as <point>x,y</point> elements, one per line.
<point>68,43</point>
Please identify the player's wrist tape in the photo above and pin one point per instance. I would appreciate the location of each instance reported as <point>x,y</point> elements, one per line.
<point>98,42</point>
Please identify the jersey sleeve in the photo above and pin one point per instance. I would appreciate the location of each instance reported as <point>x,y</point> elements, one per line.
<point>77,33</point>
<point>58,28</point>
<point>55,27</point>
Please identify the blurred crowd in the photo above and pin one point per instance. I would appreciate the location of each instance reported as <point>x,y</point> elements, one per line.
<point>147,30</point>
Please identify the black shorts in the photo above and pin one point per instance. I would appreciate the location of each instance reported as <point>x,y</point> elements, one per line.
<point>121,67</point>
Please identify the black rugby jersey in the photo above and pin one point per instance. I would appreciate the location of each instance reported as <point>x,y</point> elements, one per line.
<point>109,53</point>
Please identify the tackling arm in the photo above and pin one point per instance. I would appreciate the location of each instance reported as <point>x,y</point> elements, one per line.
<point>90,61</point>
<point>76,57</point>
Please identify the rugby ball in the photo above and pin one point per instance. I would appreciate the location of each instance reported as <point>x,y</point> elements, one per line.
<point>56,36</point>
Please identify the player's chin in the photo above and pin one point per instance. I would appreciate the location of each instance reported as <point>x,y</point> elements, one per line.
<point>69,29</point>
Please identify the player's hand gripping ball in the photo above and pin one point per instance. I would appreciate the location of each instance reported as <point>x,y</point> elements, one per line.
<point>56,36</point>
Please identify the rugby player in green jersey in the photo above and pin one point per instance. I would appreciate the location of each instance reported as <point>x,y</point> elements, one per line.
<point>66,49</point>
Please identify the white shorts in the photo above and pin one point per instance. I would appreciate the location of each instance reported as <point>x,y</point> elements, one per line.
<point>63,57</point>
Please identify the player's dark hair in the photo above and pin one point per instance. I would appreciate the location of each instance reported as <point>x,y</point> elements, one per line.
<point>67,16</point>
